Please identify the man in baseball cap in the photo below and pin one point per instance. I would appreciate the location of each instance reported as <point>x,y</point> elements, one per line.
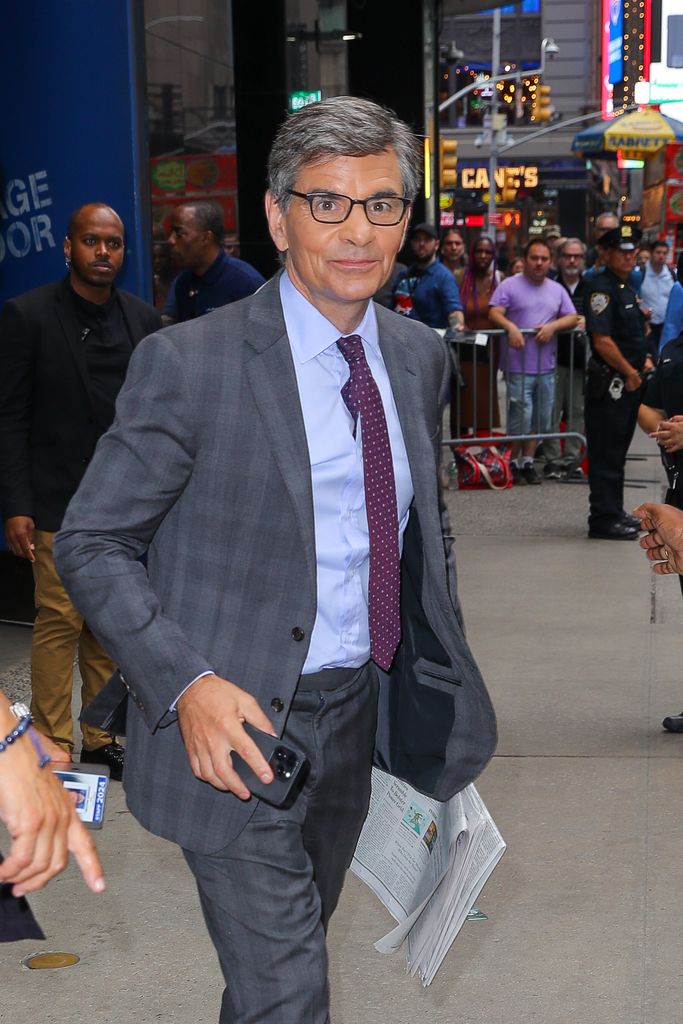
<point>427,291</point>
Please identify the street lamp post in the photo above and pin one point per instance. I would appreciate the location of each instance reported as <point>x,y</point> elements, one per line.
<point>549,48</point>
<point>493,153</point>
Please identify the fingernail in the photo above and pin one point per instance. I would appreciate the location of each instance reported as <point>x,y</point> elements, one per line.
<point>100,885</point>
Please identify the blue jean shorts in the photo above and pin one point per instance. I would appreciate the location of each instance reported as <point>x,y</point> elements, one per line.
<point>531,397</point>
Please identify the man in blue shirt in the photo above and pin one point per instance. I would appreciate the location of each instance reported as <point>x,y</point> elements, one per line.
<point>210,278</point>
<point>427,291</point>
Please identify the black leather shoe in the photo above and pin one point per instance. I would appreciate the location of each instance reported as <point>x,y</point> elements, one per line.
<point>111,754</point>
<point>631,521</point>
<point>673,723</point>
<point>618,531</point>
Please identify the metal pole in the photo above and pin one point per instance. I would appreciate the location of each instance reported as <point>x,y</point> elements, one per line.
<point>561,124</point>
<point>493,156</point>
<point>436,134</point>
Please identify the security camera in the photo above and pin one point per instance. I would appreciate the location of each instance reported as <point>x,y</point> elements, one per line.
<point>478,142</point>
<point>550,47</point>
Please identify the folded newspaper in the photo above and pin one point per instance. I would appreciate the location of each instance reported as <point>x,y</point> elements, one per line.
<point>427,862</point>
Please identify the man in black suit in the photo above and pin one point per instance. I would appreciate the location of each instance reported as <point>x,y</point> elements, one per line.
<point>64,351</point>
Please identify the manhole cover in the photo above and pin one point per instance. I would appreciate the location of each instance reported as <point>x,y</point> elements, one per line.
<point>50,961</point>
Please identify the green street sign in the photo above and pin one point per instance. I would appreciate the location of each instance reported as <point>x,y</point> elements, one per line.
<point>297,100</point>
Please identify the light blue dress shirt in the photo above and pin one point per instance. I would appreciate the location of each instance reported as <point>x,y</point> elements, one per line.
<point>340,635</point>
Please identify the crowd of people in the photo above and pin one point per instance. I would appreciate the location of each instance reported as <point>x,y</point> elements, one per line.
<point>235,522</point>
<point>574,333</point>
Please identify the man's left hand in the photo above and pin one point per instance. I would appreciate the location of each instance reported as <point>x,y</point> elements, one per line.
<point>544,333</point>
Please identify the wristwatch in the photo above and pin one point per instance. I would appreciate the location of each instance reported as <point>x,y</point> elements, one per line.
<point>19,709</point>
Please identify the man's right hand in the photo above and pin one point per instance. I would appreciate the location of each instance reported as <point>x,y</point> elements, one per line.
<point>210,714</point>
<point>41,820</point>
<point>633,381</point>
<point>19,536</point>
<point>515,337</point>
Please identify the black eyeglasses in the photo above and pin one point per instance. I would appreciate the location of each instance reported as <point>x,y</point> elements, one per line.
<point>330,208</point>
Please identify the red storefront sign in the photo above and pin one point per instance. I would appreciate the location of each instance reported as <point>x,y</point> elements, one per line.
<point>176,179</point>
<point>194,175</point>
<point>673,161</point>
<point>674,202</point>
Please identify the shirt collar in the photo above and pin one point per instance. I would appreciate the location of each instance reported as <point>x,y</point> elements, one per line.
<point>309,332</point>
<point>211,274</point>
<point>94,309</point>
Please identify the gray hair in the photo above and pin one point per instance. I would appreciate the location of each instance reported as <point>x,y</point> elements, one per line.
<point>600,219</point>
<point>572,241</point>
<point>341,126</point>
<point>207,215</point>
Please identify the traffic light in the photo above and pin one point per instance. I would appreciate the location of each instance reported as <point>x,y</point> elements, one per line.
<point>544,105</point>
<point>509,189</point>
<point>448,162</point>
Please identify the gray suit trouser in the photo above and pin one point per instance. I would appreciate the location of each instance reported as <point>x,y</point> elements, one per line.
<point>268,896</point>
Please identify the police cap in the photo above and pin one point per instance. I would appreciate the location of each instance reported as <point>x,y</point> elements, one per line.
<point>625,238</point>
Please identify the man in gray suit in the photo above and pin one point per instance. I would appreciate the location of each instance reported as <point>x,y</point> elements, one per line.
<point>277,459</point>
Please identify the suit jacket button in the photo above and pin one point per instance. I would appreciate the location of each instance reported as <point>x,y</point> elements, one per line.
<point>298,633</point>
<point>84,461</point>
<point>277,704</point>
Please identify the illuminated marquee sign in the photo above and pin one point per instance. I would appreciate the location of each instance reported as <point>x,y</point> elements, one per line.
<point>506,177</point>
<point>616,41</point>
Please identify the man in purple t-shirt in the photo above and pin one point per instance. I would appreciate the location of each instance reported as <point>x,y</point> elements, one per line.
<point>530,301</point>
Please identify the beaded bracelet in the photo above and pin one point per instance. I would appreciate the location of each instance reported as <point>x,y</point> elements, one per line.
<point>18,731</point>
<point>43,758</point>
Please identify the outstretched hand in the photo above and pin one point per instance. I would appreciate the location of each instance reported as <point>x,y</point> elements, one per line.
<point>41,820</point>
<point>663,542</point>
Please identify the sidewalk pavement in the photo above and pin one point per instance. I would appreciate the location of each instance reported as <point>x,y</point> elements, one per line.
<point>582,648</point>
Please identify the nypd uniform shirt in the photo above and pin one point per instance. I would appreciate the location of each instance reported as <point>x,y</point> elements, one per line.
<point>665,390</point>
<point>612,308</point>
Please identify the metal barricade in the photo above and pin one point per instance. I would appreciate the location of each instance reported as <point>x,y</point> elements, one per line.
<point>481,362</point>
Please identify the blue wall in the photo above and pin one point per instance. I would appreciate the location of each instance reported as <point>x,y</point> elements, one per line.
<point>72,131</point>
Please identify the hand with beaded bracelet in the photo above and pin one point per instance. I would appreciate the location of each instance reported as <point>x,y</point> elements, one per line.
<point>38,813</point>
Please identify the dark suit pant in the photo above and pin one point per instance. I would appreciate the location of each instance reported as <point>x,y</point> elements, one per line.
<point>268,896</point>
<point>610,424</point>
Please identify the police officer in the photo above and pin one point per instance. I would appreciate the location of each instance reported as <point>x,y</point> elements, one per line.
<point>614,381</point>
<point>661,416</point>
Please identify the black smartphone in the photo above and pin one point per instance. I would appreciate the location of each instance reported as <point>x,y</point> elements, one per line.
<point>289,767</point>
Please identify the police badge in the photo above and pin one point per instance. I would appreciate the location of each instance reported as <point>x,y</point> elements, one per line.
<point>599,302</point>
<point>616,388</point>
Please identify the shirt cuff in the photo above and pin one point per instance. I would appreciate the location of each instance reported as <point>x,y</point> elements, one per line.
<point>200,676</point>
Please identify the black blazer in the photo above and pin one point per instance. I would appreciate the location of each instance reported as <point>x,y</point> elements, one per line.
<point>49,423</point>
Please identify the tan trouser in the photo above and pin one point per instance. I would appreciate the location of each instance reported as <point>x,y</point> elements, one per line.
<point>57,632</point>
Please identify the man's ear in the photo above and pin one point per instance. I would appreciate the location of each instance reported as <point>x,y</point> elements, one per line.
<point>67,247</point>
<point>277,226</point>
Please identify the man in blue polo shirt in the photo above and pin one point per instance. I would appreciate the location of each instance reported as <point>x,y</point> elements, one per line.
<point>427,291</point>
<point>210,278</point>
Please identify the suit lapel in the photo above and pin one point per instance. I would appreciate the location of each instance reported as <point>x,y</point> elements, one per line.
<point>272,379</point>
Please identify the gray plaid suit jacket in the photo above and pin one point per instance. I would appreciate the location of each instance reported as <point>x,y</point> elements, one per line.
<point>206,468</point>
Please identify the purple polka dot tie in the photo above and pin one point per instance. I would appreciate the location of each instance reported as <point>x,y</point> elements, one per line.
<point>362,398</point>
